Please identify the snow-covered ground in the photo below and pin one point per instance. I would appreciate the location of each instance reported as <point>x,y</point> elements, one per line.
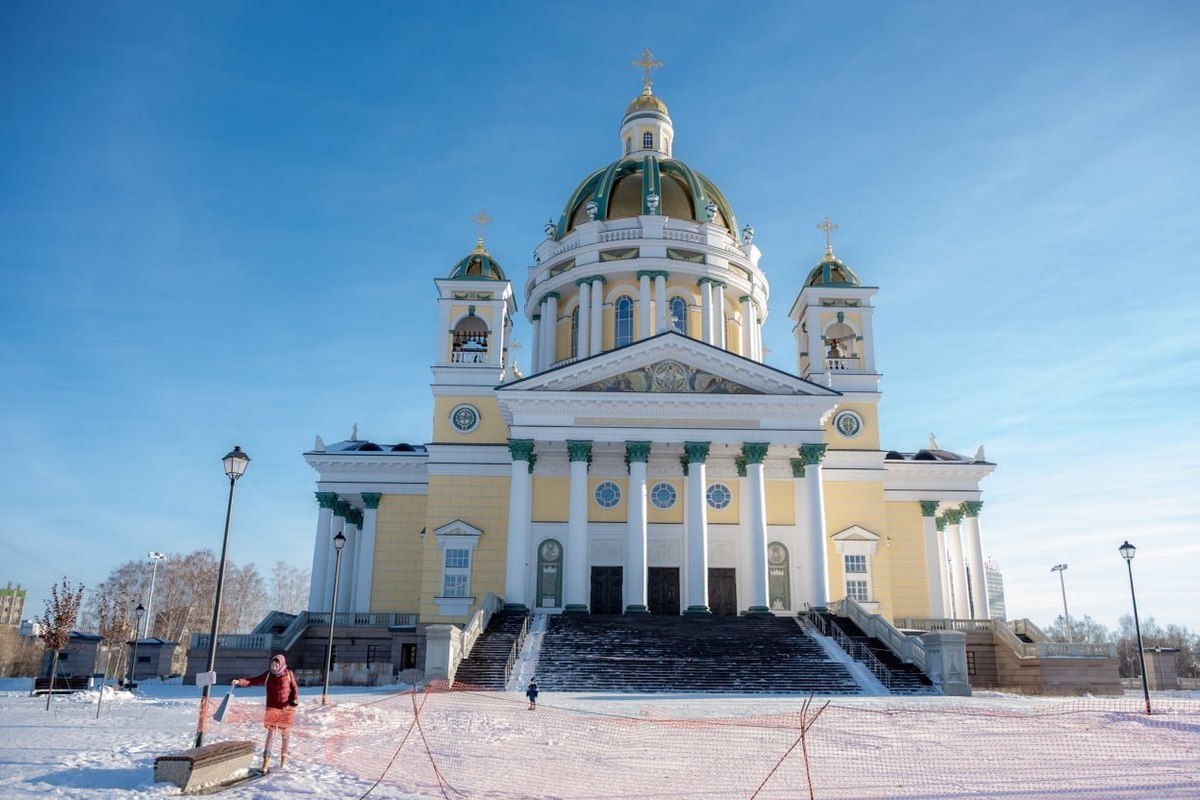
<point>595,746</point>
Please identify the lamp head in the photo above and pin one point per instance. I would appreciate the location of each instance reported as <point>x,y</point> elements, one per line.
<point>155,555</point>
<point>1058,568</point>
<point>339,541</point>
<point>235,463</point>
<point>1127,551</point>
<point>141,609</point>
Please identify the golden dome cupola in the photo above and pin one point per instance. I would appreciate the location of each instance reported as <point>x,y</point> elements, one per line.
<point>646,127</point>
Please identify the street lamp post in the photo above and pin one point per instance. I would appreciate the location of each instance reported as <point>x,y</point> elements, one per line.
<point>235,466</point>
<point>137,613</point>
<point>1060,569</point>
<point>339,542</point>
<point>1127,553</point>
<point>154,557</point>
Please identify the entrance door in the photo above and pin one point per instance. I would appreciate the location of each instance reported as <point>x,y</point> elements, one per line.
<point>722,591</point>
<point>606,590</point>
<point>664,590</point>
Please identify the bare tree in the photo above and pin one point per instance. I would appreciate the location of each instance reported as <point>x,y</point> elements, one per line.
<point>114,628</point>
<point>19,655</point>
<point>244,601</point>
<point>289,588</point>
<point>61,613</point>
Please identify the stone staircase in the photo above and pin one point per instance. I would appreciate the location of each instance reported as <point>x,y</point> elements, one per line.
<point>686,654</point>
<point>902,677</point>
<point>484,668</point>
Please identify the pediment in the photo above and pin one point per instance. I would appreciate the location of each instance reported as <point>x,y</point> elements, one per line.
<point>669,363</point>
<point>855,533</point>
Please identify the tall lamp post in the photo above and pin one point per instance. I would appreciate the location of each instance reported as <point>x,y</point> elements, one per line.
<point>154,557</point>
<point>137,614</point>
<point>1060,569</point>
<point>1127,553</point>
<point>235,466</point>
<point>339,542</point>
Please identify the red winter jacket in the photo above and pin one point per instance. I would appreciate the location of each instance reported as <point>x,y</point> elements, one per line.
<point>282,690</point>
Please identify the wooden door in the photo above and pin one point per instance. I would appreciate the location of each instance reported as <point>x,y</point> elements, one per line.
<point>722,591</point>
<point>663,587</point>
<point>606,590</point>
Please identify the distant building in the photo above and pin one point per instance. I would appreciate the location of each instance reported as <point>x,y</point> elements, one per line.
<point>30,627</point>
<point>12,604</point>
<point>995,590</point>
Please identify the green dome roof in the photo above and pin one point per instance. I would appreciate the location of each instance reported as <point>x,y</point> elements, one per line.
<point>623,188</point>
<point>831,272</point>
<point>478,265</point>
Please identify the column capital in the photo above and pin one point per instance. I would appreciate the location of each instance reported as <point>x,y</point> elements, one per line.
<point>532,462</point>
<point>549,295</point>
<point>371,499</point>
<point>683,464</point>
<point>797,467</point>
<point>929,508</point>
<point>327,500</point>
<point>652,274</point>
<point>940,522</point>
<point>740,463</point>
<point>594,278</point>
<point>579,449</point>
<point>953,516</point>
<point>520,449</point>
<point>755,452</point>
<point>971,508</point>
<point>342,509</point>
<point>812,453</point>
<point>702,281</point>
<point>637,451</point>
<point>355,517</point>
<point>696,452</point>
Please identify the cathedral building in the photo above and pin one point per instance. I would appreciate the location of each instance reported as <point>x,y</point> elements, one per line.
<point>650,462</point>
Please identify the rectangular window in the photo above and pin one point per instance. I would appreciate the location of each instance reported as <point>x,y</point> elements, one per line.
<point>970,662</point>
<point>856,565</point>
<point>455,586</point>
<point>372,653</point>
<point>857,591</point>
<point>458,559</point>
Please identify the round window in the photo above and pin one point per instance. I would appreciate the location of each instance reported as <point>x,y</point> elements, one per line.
<point>464,418</point>
<point>662,495</point>
<point>608,495</point>
<point>719,496</point>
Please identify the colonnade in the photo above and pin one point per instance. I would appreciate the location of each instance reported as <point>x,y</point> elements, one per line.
<point>358,554</point>
<point>576,567</point>
<point>653,317</point>
<point>954,548</point>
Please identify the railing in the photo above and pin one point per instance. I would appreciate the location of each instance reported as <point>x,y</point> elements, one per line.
<point>908,648</point>
<point>929,624</point>
<point>362,619</point>
<point>235,641</point>
<point>288,637</point>
<point>842,363</point>
<point>1075,650</point>
<point>617,236</point>
<point>683,236</point>
<point>856,650</point>
<point>471,632</point>
<point>292,632</point>
<point>1019,648</point>
<point>1026,628</point>
<point>469,357</point>
<point>516,649</point>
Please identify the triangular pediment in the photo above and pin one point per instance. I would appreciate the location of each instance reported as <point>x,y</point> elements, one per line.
<point>855,533</point>
<point>669,363</point>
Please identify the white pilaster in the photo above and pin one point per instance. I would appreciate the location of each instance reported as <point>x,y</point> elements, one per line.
<point>576,580</point>
<point>644,324</point>
<point>516,568</point>
<point>635,573</point>
<point>974,544</point>
<point>585,319</point>
<point>697,528</point>
<point>321,555</point>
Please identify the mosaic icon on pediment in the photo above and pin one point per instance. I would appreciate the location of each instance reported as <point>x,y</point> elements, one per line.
<point>668,377</point>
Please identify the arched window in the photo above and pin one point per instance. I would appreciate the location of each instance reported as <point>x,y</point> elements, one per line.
<point>628,145</point>
<point>679,315</point>
<point>575,332</point>
<point>470,341</point>
<point>779,587</point>
<point>647,141</point>
<point>623,322</point>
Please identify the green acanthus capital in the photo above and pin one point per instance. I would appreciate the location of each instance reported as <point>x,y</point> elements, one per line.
<point>797,467</point>
<point>953,516</point>
<point>520,449</point>
<point>812,453</point>
<point>532,462</point>
<point>696,452</point>
<point>929,508</point>
<point>637,451</point>
<point>971,508</point>
<point>355,518</point>
<point>343,509</point>
<point>683,464</point>
<point>371,499</point>
<point>579,449</point>
<point>755,452</point>
<point>740,463</point>
<point>327,500</point>
<point>941,523</point>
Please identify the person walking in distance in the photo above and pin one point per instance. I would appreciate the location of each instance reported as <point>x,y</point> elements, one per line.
<point>532,692</point>
<point>283,695</point>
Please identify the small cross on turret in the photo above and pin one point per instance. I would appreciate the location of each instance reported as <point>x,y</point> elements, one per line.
<point>647,63</point>
<point>827,227</point>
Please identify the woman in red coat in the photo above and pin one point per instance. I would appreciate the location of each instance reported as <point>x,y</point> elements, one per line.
<point>283,695</point>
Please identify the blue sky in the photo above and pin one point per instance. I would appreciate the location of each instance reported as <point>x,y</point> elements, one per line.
<point>220,224</point>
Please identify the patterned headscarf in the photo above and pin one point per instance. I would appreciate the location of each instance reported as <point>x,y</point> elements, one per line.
<point>278,664</point>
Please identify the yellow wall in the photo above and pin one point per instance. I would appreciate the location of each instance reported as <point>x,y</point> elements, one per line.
<point>781,502</point>
<point>616,514</point>
<point>867,439</point>
<point>491,427</point>
<point>910,573</point>
<point>672,515</point>
<point>729,514</point>
<point>481,501</point>
<point>396,571</point>
<point>550,498</point>
<point>854,503</point>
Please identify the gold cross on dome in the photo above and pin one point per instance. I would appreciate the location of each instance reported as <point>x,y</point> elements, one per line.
<point>647,63</point>
<point>827,226</point>
<point>481,219</point>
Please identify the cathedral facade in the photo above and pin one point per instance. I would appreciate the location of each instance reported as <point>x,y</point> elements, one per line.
<point>650,462</point>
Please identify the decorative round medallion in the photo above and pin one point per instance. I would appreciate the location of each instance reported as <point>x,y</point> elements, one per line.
<point>719,496</point>
<point>662,495</point>
<point>464,418</point>
<point>608,495</point>
<point>776,554</point>
<point>550,550</point>
<point>848,424</point>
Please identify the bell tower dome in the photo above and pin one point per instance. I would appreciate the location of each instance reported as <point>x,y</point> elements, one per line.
<point>646,127</point>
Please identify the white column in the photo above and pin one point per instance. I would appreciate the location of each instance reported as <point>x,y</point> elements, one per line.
<point>756,333</point>
<point>958,567</point>
<point>812,455</point>
<point>757,500</point>
<point>706,311</point>
<point>719,315</point>
<point>337,525</point>
<point>933,566</point>
<point>645,329</point>
<point>635,535</point>
<point>697,528</point>
<point>585,319</point>
<point>535,358</point>
<point>550,329</point>
<point>516,567</point>
<point>744,344</point>
<point>350,556</point>
<point>944,568</point>
<point>322,552</point>
<point>366,561</point>
<point>662,312</point>
<point>974,543</point>
<point>577,582</point>
<point>597,315</point>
